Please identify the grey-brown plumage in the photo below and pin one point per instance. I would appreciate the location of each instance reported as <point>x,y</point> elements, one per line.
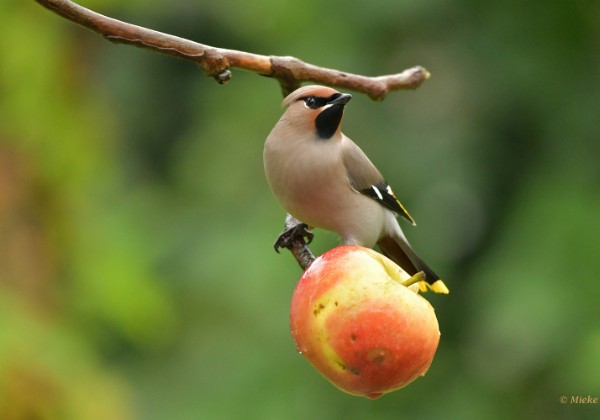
<point>324,179</point>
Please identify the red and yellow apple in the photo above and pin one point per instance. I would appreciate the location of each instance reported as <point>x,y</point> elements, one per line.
<point>359,325</point>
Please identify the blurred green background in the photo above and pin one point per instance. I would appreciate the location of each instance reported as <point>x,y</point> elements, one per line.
<point>137,276</point>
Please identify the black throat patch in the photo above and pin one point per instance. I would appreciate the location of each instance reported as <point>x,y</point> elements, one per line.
<point>328,121</point>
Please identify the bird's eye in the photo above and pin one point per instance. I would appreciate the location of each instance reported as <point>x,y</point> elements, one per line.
<point>311,102</point>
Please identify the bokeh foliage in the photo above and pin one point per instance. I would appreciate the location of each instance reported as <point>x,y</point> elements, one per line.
<point>137,278</point>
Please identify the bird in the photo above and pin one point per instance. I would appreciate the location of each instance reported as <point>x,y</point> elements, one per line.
<point>323,179</point>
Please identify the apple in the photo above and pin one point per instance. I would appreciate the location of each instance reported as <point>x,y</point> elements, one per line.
<point>355,320</point>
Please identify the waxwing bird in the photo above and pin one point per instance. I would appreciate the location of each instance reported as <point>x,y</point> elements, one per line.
<point>325,180</point>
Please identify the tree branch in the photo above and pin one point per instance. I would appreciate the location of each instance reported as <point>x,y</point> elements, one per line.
<point>217,62</point>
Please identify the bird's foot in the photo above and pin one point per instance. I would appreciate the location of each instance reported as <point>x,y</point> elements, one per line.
<point>291,233</point>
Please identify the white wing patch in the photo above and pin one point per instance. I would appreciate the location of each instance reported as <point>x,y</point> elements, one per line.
<point>377,192</point>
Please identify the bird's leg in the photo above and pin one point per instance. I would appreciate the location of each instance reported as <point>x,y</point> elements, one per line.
<point>292,238</point>
<point>294,229</point>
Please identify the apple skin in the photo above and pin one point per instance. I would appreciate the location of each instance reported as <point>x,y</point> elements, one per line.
<point>362,329</point>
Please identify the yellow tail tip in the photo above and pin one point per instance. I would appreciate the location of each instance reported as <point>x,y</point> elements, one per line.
<point>437,287</point>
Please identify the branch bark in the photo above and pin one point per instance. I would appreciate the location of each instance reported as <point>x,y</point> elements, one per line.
<point>217,62</point>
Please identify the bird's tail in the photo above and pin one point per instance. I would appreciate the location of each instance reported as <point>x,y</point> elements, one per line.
<point>399,250</point>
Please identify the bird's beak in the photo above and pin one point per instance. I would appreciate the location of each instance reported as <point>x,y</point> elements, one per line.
<point>341,100</point>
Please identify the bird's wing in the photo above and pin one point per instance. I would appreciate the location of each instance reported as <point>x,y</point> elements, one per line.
<point>366,179</point>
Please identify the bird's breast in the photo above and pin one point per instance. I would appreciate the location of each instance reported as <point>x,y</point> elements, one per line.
<point>312,185</point>
<point>302,177</point>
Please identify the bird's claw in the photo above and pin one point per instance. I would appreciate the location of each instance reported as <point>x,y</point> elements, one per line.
<point>289,235</point>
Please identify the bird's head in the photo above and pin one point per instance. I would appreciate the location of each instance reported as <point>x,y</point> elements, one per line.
<point>316,108</point>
